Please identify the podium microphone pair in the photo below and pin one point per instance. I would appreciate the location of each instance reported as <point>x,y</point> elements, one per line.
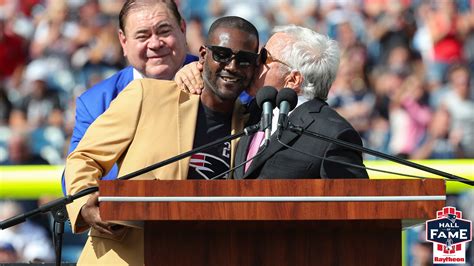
<point>267,99</point>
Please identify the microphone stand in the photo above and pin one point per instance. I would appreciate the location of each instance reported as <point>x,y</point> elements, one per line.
<point>58,207</point>
<point>300,130</point>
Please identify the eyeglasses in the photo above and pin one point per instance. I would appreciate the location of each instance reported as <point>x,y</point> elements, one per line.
<point>267,58</point>
<point>225,55</point>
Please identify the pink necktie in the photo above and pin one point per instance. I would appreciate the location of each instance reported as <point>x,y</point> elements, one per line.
<point>254,146</point>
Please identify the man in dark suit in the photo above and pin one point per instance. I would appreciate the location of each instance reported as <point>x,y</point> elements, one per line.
<point>307,62</point>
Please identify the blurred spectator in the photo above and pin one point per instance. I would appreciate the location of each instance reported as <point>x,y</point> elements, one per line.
<point>378,137</point>
<point>49,140</point>
<point>422,41</point>
<point>196,9</point>
<point>8,252</point>
<point>5,106</point>
<point>383,83</point>
<point>350,95</point>
<point>19,150</point>
<point>464,203</point>
<point>111,8</point>
<point>298,12</point>
<point>447,35</point>
<point>12,50</point>
<point>19,15</point>
<point>392,26</point>
<point>399,60</point>
<point>99,55</point>
<point>344,22</point>
<point>53,44</point>
<point>437,143</point>
<point>41,100</point>
<point>90,21</point>
<point>457,76</point>
<point>420,251</point>
<point>345,35</point>
<point>17,121</point>
<point>54,33</point>
<point>468,51</point>
<point>25,242</point>
<point>254,11</point>
<point>409,116</point>
<point>195,34</point>
<point>460,105</point>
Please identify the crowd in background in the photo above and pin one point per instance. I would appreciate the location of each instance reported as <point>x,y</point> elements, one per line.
<point>404,81</point>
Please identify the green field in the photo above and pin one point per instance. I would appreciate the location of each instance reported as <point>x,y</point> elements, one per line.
<point>30,182</point>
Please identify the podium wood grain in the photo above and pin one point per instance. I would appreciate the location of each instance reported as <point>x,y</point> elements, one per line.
<point>272,233</point>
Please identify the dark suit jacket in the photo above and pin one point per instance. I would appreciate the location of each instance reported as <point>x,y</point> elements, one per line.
<point>278,161</point>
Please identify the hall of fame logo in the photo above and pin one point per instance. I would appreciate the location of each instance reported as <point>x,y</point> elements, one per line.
<point>449,234</point>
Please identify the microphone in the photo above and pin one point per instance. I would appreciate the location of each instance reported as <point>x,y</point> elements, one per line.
<point>266,101</point>
<point>286,101</point>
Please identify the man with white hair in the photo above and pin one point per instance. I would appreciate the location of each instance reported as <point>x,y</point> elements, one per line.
<point>307,62</point>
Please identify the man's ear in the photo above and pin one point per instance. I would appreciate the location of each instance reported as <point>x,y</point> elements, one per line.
<point>182,26</point>
<point>202,54</point>
<point>123,41</point>
<point>294,80</point>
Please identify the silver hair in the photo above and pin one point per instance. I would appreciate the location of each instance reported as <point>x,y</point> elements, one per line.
<point>314,55</point>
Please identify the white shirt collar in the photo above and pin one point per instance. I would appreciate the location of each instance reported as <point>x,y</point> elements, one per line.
<point>301,100</point>
<point>137,74</point>
<point>276,112</point>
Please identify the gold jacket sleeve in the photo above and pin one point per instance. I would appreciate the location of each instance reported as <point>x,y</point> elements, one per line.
<point>95,155</point>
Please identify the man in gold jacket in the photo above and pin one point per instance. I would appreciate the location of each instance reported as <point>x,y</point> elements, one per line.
<point>152,120</point>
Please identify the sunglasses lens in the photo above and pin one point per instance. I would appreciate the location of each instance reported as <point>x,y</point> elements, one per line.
<point>225,55</point>
<point>246,58</point>
<point>263,56</point>
<point>221,54</point>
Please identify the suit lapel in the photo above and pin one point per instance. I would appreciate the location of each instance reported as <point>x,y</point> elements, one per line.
<point>253,111</point>
<point>187,118</point>
<point>299,117</point>
<point>272,148</point>
<point>124,79</point>
<point>241,155</point>
<point>239,119</point>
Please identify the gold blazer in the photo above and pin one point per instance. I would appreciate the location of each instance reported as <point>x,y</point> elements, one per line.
<point>149,121</point>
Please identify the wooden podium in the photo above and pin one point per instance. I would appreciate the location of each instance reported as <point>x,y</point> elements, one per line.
<point>272,222</point>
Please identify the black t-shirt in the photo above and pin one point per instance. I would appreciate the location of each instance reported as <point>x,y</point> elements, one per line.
<point>215,160</point>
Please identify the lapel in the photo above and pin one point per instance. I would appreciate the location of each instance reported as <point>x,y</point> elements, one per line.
<point>241,152</point>
<point>187,116</point>
<point>187,119</point>
<point>124,79</point>
<point>272,148</point>
<point>299,117</point>
<point>239,119</point>
<point>241,155</point>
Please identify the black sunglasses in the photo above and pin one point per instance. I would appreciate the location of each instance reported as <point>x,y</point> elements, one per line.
<point>225,55</point>
<point>267,58</point>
